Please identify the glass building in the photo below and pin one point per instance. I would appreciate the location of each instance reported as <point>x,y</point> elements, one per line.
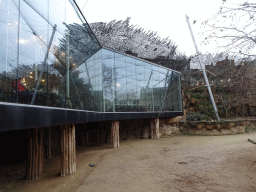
<point>50,57</point>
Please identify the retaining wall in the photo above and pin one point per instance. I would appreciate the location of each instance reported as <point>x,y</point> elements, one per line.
<point>227,127</point>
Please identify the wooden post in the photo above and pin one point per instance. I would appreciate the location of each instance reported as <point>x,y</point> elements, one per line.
<point>68,150</point>
<point>115,133</point>
<point>154,125</point>
<point>74,147</point>
<point>34,168</point>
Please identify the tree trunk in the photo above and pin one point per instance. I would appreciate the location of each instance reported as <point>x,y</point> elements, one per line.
<point>68,150</point>
<point>35,154</point>
<point>154,125</point>
<point>115,134</point>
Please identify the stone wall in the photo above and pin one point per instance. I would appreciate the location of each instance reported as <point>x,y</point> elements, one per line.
<point>170,126</point>
<point>227,127</point>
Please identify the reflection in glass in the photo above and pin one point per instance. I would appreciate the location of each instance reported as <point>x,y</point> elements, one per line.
<point>74,71</point>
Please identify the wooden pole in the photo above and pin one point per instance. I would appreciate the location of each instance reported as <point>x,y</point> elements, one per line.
<point>74,147</point>
<point>154,125</point>
<point>68,150</point>
<point>62,172</point>
<point>115,133</point>
<point>34,168</point>
<point>41,151</point>
<point>33,155</point>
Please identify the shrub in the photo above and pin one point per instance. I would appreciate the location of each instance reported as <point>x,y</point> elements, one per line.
<point>195,117</point>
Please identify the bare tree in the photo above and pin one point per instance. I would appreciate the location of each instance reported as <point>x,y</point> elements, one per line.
<point>233,28</point>
<point>123,37</point>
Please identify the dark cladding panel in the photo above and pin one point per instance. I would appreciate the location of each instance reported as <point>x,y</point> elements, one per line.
<point>14,117</point>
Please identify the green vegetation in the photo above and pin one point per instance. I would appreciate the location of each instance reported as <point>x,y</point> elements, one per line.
<point>195,117</point>
<point>202,105</point>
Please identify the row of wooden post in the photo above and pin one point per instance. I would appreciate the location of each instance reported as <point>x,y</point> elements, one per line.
<point>68,147</point>
<point>36,151</point>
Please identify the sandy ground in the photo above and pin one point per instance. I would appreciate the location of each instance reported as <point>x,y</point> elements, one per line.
<point>180,163</point>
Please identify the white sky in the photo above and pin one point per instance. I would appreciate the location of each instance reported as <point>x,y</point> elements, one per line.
<point>167,17</point>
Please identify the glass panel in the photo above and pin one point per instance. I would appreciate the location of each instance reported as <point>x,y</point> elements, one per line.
<point>67,68</point>
<point>140,68</point>
<point>8,50</point>
<point>120,81</point>
<point>47,72</point>
<point>107,79</point>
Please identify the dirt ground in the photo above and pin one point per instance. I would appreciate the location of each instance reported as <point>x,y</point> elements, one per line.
<point>179,163</point>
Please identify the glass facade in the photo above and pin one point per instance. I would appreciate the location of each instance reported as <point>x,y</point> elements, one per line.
<point>49,56</point>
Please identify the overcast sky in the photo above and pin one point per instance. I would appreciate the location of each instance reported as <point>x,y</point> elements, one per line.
<point>164,16</point>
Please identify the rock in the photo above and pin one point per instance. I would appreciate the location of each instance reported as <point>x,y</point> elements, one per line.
<point>168,130</point>
<point>225,131</point>
<point>170,121</point>
<point>183,163</point>
<point>251,140</point>
<point>166,133</point>
<point>215,132</point>
<point>209,126</point>
<point>175,130</point>
<point>241,129</point>
<point>202,132</point>
<point>233,130</point>
<point>178,119</point>
<point>218,126</point>
<point>199,126</point>
<point>231,125</point>
<point>242,123</point>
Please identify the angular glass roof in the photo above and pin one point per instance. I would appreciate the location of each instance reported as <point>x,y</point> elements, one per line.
<point>68,19</point>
